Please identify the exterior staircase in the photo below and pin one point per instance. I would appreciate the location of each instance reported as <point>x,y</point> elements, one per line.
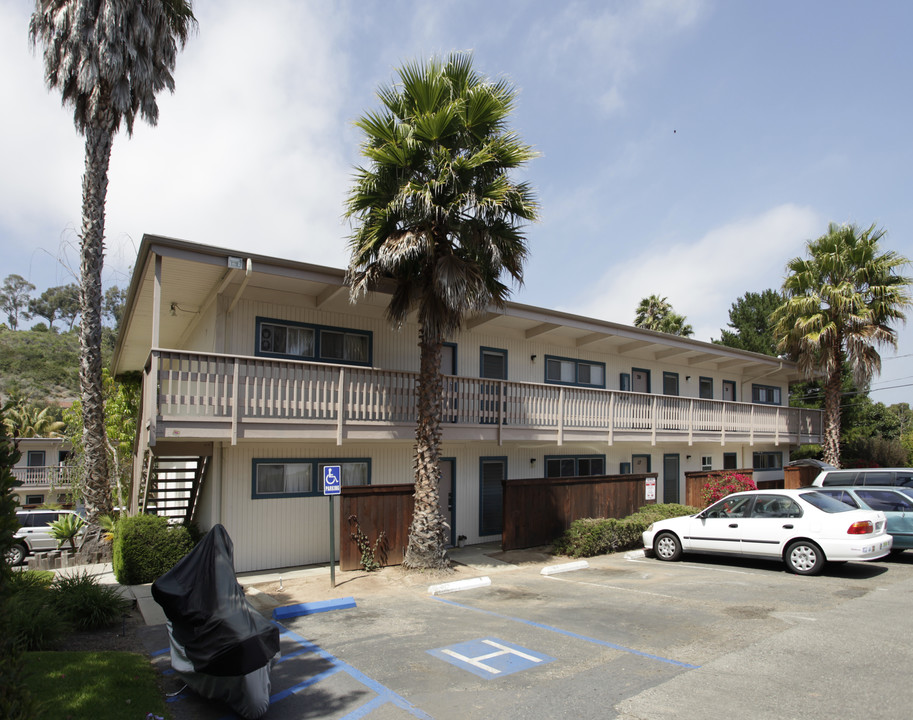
<point>172,486</point>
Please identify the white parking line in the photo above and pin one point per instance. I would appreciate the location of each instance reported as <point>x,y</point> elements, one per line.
<point>695,567</point>
<point>611,587</point>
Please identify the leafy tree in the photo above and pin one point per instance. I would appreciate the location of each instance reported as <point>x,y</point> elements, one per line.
<point>749,318</point>
<point>115,302</point>
<point>121,410</point>
<point>14,298</point>
<point>16,701</point>
<point>109,59</point>
<point>440,220</point>
<point>56,302</point>
<point>839,306</point>
<point>656,313</point>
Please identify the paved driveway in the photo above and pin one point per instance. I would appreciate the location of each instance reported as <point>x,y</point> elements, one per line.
<point>628,637</point>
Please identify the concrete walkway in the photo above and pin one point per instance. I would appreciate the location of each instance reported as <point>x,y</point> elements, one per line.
<point>481,558</point>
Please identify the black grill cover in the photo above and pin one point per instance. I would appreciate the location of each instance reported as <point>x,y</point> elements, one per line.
<point>221,633</point>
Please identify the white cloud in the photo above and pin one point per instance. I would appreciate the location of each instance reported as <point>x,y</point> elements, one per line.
<point>703,278</point>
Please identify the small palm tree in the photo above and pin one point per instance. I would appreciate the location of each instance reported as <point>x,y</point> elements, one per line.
<point>66,529</point>
<point>24,420</point>
<point>840,305</point>
<point>109,59</point>
<point>438,219</point>
<point>656,313</point>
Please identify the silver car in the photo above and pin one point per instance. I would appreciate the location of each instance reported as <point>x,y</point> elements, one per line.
<point>34,533</point>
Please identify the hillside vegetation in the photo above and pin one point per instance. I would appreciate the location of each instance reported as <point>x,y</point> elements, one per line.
<point>41,366</point>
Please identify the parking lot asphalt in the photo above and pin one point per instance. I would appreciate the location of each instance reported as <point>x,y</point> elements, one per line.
<point>626,637</point>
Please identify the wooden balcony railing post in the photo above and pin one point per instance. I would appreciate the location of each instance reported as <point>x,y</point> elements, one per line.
<point>340,406</point>
<point>235,400</point>
<point>611,419</point>
<point>561,399</point>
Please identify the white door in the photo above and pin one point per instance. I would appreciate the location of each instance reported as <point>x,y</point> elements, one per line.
<point>773,521</point>
<point>719,528</point>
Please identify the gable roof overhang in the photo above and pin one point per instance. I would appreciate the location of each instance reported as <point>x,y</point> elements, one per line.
<point>175,283</point>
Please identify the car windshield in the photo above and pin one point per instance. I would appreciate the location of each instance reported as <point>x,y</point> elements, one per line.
<point>825,502</point>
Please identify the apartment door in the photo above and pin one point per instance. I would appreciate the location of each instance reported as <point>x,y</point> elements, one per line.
<point>640,380</point>
<point>671,474</point>
<point>35,459</point>
<point>450,391</point>
<point>640,464</point>
<point>493,366</point>
<point>446,497</point>
<point>492,471</point>
<point>729,390</point>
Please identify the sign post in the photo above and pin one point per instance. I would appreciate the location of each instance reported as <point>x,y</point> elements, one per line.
<point>331,487</point>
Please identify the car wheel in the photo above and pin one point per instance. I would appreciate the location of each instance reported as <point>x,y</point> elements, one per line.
<point>667,546</point>
<point>15,555</point>
<point>804,558</point>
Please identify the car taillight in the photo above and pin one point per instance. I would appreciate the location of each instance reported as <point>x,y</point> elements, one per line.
<point>863,527</point>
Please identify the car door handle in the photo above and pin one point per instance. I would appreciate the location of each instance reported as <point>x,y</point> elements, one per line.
<point>788,526</point>
<point>733,524</point>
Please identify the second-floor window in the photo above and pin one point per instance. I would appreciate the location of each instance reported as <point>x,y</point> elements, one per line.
<point>300,341</point>
<point>566,371</point>
<point>765,394</point>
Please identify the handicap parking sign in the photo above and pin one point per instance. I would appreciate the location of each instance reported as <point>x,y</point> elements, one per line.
<point>331,481</point>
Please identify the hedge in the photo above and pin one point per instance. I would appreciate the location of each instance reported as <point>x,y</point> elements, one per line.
<point>146,546</point>
<point>599,536</point>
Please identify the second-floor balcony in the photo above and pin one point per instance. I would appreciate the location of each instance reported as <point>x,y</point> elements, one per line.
<point>43,477</point>
<point>207,396</point>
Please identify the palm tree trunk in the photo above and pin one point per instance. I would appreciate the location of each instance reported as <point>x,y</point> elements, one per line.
<point>833,390</point>
<point>96,490</point>
<point>427,532</point>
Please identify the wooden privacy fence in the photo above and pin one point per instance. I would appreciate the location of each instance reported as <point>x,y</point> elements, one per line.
<point>380,509</point>
<point>695,481</point>
<point>538,511</point>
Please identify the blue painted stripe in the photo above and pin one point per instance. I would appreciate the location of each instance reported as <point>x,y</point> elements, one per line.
<point>570,634</point>
<point>292,611</point>
<point>157,653</point>
<point>302,685</point>
<point>370,683</point>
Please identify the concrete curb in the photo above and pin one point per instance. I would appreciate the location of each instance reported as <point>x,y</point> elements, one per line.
<point>457,585</point>
<point>565,567</point>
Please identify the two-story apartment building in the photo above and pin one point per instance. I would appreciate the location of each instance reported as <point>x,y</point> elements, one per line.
<point>258,372</point>
<point>41,472</point>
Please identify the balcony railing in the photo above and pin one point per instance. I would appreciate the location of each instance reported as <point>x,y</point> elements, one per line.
<point>239,389</point>
<point>43,476</point>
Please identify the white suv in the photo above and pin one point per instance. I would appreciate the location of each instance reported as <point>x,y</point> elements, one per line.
<point>33,534</point>
<point>884,477</point>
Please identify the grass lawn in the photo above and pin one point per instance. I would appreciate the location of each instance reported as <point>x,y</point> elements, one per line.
<point>93,686</point>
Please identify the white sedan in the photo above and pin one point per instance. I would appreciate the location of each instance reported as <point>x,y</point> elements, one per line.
<point>804,528</point>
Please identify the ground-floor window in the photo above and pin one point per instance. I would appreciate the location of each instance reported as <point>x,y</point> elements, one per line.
<point>34,499</point>
<point>574,465</point>
<point>303,477</point>
<point>730,461</point>
<point>767,460</point>
<point>492,470</point>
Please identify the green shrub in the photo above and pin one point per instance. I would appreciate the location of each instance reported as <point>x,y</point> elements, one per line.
<point>598,536</point>
<point>85,603</point>
<point>146,546</point>
<point>32,617</point>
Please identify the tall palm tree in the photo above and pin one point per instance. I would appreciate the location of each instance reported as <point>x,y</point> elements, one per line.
<point>438,218</point>
<point>840,305</point>
<point>109,59</point>
<point>656,313</point>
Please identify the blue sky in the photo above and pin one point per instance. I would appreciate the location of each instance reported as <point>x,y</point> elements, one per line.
<point>687,148</point>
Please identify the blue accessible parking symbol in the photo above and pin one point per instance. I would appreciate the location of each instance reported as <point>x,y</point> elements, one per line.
<point>490,657</point>
<point>331,481</point>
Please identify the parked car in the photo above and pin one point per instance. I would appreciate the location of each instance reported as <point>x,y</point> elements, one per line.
<point>804,528</point>
<point>896,504</point>
<point>33,534</point>
<point>865,476</point>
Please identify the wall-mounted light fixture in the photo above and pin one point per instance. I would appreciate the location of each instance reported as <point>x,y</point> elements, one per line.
<point>174,309</point>
<point>532,461</point>
<point>532,358</point>
<point>687,378</point>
